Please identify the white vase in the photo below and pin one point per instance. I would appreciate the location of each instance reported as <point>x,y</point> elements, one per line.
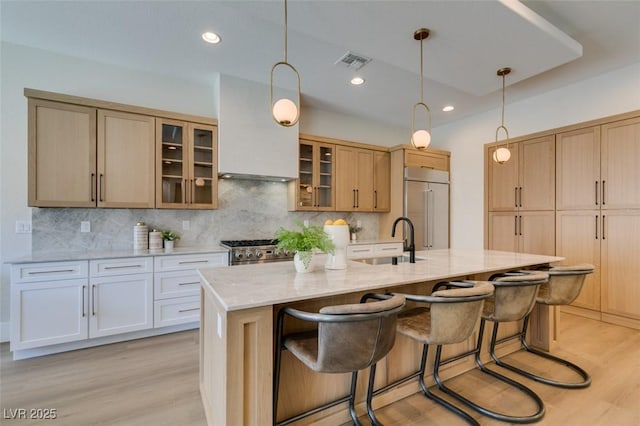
<point>168,246</point>
<point>302,261</point>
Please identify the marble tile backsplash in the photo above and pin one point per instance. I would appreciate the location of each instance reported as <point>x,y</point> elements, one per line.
<point>247,209</point>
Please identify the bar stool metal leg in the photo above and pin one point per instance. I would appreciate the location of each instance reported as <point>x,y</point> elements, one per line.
<point>586,378</point>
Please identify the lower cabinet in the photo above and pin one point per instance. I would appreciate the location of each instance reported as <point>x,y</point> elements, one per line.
<point>176,285</point>
<point>55,303</point>
<point>48,312</point>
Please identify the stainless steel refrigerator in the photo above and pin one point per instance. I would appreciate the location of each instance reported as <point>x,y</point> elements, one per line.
<point>426,203</point>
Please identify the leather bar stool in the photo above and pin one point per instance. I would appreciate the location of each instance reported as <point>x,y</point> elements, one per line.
<point>348,338</point>
<point>564,286</point>
<point>449,315</point>
<point>513,299</point>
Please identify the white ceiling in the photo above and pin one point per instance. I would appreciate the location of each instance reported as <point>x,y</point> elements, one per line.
<point>548,44</point>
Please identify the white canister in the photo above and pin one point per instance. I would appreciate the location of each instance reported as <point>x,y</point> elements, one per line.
<point>155,240</point>
<point>140,236</point>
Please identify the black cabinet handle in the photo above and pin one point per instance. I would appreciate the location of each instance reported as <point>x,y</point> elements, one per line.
<point>596,193</point>
<point>596,227</point>
<point>92,186</point>
<point>603,196</point>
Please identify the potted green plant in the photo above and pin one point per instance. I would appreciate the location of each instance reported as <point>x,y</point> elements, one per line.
<point>303,243</point>
<point>169,237</point>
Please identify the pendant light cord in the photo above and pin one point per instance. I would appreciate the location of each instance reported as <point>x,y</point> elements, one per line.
<point>285,30</point>
<point>503,99</point>
<point>421,74</point>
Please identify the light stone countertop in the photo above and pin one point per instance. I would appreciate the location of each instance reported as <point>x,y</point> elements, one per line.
<point>248,286</point>
<point>61,256</point>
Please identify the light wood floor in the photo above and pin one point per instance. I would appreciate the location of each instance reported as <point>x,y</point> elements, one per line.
<point>154,381</point>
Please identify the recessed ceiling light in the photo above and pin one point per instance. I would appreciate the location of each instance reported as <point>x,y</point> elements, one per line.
<point>448,108</point>
<point>210,37</point>
<point>357,81</point>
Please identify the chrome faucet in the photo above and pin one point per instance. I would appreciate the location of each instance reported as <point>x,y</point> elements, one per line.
<point>412,246</point>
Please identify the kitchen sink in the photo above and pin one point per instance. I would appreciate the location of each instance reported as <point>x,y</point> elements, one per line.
<point>388,260</point>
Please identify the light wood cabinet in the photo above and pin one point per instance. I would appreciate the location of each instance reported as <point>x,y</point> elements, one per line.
<point>578,234</point>
<point>62,154</point>
<point>527,180</point>
<point>86,157</point>
<point>314,190</point>
<point>598,199</point>
<point>187,173</point>
<point>620,245</point>
<point>620,165</point>
<point>125,160</point>
<point>524,232</point>
<point>382,181</point>
<point>354,179</point>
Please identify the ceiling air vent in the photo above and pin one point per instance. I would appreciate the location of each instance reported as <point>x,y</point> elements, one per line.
<point>353,60</point>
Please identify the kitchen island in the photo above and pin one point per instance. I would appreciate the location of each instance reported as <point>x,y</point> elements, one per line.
<point>239,304</point>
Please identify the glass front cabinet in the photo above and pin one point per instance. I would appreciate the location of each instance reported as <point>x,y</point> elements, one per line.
<point>186,165</point>
<point>315,187</point>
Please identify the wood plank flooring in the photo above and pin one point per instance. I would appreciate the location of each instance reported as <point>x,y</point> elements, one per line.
<point>154,381</point>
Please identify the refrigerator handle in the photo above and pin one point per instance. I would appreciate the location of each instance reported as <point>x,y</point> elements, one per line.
<point>428,219</point>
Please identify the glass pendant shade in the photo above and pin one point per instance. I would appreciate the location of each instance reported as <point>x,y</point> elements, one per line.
<point>285,112</point>
<point>421,139</point>
<point>501,155</point>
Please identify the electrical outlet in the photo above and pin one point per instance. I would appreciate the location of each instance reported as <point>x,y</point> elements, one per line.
<point>186,225</point>
<point>85,226</point>
<point>359,223</point>
<point>23,227</point>
<point>306,222</point>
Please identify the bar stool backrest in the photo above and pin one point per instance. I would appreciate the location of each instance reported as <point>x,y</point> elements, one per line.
<point>455,312</point>
<point>346,346</point>
<point>565,284</point>
<point>514,296</point>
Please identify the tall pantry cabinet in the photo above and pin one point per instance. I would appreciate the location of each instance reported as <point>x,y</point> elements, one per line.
<point>520,198</point>
<point>598,215</point>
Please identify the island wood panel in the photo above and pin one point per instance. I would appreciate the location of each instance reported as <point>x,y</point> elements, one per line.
<point>236,361</point>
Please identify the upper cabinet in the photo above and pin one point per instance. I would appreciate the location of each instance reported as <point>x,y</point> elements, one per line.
<point>62,155</point>
<point>381,181</point>
<point>620,151</point>
<point>315,187</point>
<point>90,153</point>
<point>354,171</point>
<point>125,160</point>
<point>527,180</point>
<point>336,175</point>
<point>186,170</point>
<point>86,157</point>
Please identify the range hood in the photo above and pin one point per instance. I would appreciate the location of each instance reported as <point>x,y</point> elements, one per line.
<point>251,145</point>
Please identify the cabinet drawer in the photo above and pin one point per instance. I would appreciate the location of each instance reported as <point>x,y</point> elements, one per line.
<point>49,271</point>
<point>176,311</point>
<point>124,266</point>
<point>190,261</point>
<point>389,249</point>
<point>176,284</point>
<point>427,160</point>
<point>360,251</point>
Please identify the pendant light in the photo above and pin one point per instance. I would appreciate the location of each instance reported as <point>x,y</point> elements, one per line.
<point>502,154</point>
<point>285,111</point>
<point>420,138</point>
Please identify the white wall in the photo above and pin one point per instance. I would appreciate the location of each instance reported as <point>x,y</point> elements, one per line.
<point>608,94</point>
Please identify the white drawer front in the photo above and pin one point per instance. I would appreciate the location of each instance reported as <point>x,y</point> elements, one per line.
<point>123,266</point>
<point>190,261</point>
<point>176,311</point>
<point>49,271</point>
<point>176,284</point>
<point>360,251</point>
<point>388,249</point>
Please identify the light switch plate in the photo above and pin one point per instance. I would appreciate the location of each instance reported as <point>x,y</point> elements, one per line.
<point>186,225</point>
<point>23,227</point>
